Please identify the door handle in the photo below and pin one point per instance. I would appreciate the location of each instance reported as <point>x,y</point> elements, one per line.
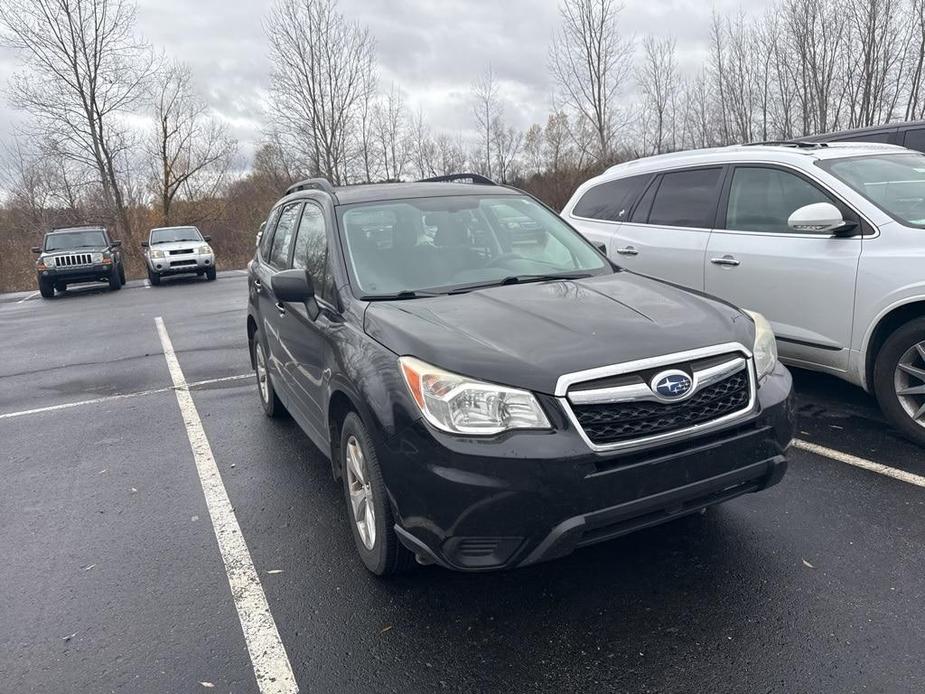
<point>726,260</point>
<point>629,250</point>
<point>281,308</point>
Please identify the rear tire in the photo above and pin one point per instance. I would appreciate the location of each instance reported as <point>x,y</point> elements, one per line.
<point>899,376</point>
<point>115,281</point>
<point>154,279</point>
<point>272,406</point>
<point>46,289</point>
<point>366,498</point>
<point>210,273</point>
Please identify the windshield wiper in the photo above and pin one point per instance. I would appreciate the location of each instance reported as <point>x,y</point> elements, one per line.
<point>403,294</point>
<point>519,279</point>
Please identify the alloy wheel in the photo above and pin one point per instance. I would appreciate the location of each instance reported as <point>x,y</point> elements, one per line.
<point>361,494</point>
<point>909,382</point>
<point>262,383</point>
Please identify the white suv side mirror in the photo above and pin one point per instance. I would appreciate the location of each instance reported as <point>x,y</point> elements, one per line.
<point>818,217</point>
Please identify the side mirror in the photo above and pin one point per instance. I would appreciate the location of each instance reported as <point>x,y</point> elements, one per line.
<point>601,246</point>
<point>144,244</point>
<point>292,286</point>
<point>820,217</point>
<point>115,244</point>
<point>206,238</point>
<point>36,249</point>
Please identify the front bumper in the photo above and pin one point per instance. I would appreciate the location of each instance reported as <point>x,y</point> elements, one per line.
<point>528,497</point>
<point>181,264</point>
<point>98,272</point>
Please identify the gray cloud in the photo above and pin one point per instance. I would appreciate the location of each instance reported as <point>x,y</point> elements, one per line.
<point>432,49</point>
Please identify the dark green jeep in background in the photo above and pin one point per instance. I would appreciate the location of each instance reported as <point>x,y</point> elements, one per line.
<point>78,254</point>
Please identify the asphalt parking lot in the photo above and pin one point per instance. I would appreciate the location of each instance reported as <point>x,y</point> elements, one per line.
<point>112,578</point>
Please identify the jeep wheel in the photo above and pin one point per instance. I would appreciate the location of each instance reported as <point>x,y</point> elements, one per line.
<point>367,502</point>
<point>154,279</point>
<point>122,273</point>
<point>46,289</point>
<point>899,379</point>
<point>268,398</point>
<point>210,273</point>
<point>115,281</point>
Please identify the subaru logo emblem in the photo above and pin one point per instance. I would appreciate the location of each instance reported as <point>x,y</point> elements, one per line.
<point>672,385</point>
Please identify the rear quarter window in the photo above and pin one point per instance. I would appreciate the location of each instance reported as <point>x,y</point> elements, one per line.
<point>610,201</point>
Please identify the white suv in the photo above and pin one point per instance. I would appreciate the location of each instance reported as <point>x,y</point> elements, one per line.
<point>826,240</point>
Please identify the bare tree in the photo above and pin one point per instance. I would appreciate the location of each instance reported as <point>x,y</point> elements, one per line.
<point>86,70</point>
<point>658,82</point>
<point>450,155</point>
<point>915,99</point>
<point>506,142</point>
<point>367,126</point>
<point>533,145</point>
<point>389,119</point>
<point>321,73</point>
<point>421,146</point>
<point>191,152</point>
<point>589,61</point>
<point>488,111</point>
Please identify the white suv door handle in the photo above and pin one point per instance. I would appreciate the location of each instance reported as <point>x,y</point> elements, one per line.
<point>629,250</point>
<point>727,260</point>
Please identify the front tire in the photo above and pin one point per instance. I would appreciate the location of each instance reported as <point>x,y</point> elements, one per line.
<point>46,289</point>
<point>368,508</point>
<point>154,279</point>
<point>122,273</point>
<point>272,406</point>
<point>899,380</point>
<point>115,282</point>
<point>210,273</point>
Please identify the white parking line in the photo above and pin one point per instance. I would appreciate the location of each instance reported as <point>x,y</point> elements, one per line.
<point>862,463</point>
<point>268,655</point>
<point>122,396</point>
<point>26,298</point>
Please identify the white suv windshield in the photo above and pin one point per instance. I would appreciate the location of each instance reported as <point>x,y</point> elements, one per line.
<point>455,242</point>
<point>893,182</point>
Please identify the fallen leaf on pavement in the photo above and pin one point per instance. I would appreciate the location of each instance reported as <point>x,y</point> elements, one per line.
<point>69,636</point>
<point>806,563</point>
<point>90,566</point>
<point>275,571</point>
<point>207,685</point>
<point>385,629</point>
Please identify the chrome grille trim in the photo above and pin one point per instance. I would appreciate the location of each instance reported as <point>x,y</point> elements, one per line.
<point>741,358</point>
<point>72,259</point>
<point>637,392</point>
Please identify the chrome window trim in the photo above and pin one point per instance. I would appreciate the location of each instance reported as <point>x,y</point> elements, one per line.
<point>567,380</point>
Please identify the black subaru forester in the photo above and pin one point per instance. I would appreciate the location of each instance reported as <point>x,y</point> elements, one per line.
<point>491,390</point>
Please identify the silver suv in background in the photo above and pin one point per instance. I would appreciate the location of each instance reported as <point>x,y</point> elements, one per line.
<point>176,251</point>
<point>826,240</point>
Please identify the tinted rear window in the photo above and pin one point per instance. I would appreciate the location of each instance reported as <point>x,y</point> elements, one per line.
<point>610,201</point>
<point>686,199</point>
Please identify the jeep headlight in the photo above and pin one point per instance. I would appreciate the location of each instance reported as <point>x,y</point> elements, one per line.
<point>204,250</point>
<point>158,255</point>
<point>49,261</point>
<point>765,349</point>
<point>462,405</point>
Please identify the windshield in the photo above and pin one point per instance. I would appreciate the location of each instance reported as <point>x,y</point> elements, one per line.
<point>75,239</point>
<point>169,235</point>
<point>447,243</point>
<point>893,182</point>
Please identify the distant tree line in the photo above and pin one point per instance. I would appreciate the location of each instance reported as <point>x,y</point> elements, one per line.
<point>117,132</point>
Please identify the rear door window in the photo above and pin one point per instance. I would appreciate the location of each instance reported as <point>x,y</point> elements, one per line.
<point>610,201</point>
<point>687,198</point>
<point>282,239</point>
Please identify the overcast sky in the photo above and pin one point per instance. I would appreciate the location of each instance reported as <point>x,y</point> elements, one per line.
<point>432,49</point>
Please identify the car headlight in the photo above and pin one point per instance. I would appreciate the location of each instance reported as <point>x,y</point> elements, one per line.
<point>765,349</point>
<point>204,250</point>
<point>158,255</point>
<point>47,262</point>
<point>461,405</point>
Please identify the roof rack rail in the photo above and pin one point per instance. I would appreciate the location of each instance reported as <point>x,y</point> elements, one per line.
<point>801,144</point>
<point>79,225</point>
<point>322,184</point>
<point>473,178</point>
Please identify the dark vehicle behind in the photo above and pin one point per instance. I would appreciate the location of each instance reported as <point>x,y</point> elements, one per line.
<point>76,255</point>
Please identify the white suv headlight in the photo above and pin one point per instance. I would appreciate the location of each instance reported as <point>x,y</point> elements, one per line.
<point>461,405</point>
<point>765,349</point>
<point>158,255</point>
<point>204,250</point>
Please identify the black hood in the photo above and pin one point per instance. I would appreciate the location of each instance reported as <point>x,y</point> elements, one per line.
<point>527,335</point>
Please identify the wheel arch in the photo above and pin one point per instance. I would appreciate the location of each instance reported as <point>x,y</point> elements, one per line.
<point>893,319</point>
